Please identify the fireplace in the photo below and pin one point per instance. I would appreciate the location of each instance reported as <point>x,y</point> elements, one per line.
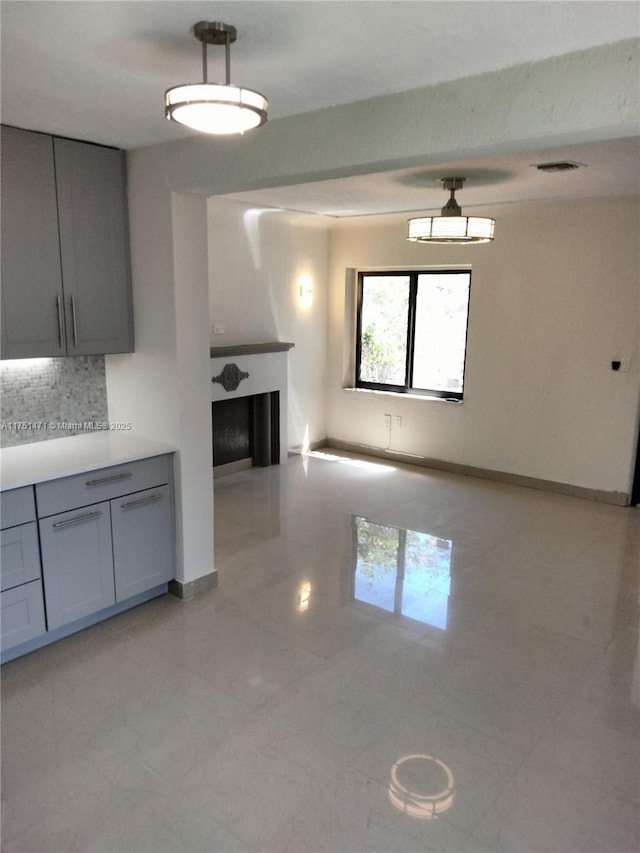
<point>249,405</point>
<point>246,431</point>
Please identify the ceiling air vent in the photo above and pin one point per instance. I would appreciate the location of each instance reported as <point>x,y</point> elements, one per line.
<point>562,166</point>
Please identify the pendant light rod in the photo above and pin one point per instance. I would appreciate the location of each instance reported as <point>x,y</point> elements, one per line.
<point>452,208</point>
<point>215,32</point>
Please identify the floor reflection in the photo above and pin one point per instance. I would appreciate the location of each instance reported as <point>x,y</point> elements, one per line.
<point>421,786</point>
<point>405,572</point>
<point>303,597</point>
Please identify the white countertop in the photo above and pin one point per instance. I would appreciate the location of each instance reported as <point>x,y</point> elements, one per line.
<point>26,464</point>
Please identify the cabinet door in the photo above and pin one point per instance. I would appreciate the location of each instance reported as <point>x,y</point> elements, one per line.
<point>22,614</point>
<point>77,563</point>
<point>32,321</point>
<point>20,561</point>
<point>94,243</point>
<point>143,541</point>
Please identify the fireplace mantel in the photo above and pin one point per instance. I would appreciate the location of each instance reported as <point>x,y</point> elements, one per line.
<point>247,370</point>
<point>250,349</point>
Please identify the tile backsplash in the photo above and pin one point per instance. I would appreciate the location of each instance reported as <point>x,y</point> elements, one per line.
<point>44,398</point>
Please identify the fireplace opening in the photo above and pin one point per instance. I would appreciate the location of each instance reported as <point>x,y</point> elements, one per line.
<point>246,432</point>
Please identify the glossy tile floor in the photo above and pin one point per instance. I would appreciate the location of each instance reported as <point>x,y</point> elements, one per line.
<point>395,659</point>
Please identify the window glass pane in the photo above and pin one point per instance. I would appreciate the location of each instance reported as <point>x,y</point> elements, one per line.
<point>383,353</point>
<point>441,330</point>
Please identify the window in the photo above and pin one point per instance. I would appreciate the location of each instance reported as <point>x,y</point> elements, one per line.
<point>412,331</point>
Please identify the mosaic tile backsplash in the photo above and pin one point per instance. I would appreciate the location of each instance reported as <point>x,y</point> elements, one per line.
<point>44,398</point>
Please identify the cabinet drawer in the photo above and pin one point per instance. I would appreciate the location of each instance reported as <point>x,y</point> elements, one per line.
<point>101,485</point>
<point>20,560</point>
<point>17,507</point>
<point>22,614</point>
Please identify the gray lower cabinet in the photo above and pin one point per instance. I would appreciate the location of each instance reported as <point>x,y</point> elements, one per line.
<point>21,602</point>
<point>106,536</point>
<point>96,541</point>
<point>142,541</point>
<point>22,614</point>
<point>77,559</point>
<point>66,284</point>
<point>20,555</point>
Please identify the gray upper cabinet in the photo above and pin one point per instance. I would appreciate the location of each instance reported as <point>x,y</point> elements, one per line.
<point>94,247</point>
<point>66,285</point>
<point>32,307</point>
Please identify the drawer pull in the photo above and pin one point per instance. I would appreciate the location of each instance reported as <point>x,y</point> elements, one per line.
<point>112,479</point>
<point>60,322</point>
<point>75,324</point>
<point>78,518</point>
<point>148,500</point>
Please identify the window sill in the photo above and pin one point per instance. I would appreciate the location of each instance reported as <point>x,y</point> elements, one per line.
<point>401,396</point>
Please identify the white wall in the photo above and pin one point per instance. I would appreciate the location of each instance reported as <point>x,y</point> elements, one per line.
<point>163,387</point>
<point>586,96</point>
<point>554,299</point>
<point>258,259</point>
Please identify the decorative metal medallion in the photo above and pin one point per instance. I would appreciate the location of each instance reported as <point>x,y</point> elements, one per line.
<point>230,377</point>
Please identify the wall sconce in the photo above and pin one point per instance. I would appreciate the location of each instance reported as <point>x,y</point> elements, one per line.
<point>306,291</point>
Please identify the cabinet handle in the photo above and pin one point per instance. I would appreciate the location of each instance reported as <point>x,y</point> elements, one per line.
<point>73,319</point>
<point>148,500</point>
<point>60,308</point>
<point>78,518</point>
<point>112,479</point>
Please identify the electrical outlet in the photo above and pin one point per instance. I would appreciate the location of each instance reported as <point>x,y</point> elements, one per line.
<point>217,330</point>
<point>625,364</point>
<point>387,422</point>
<point>397,421</point>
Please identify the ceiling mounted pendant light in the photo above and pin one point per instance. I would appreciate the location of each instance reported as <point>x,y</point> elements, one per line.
<point>215,107</point>
<point>451,226</point>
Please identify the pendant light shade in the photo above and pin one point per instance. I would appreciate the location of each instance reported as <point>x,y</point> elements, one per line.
<point>451,226</point>
<point>215,108</point>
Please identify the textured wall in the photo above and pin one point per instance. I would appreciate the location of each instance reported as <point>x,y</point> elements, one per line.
<point>44,398</point>
<point>554,299</point>
<point>258,260</point>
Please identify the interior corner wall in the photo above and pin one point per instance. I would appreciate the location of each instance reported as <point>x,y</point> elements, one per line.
<point>554,300</point>
<point>258,261</point>
<point>162,388</point>
<point>189,215</point>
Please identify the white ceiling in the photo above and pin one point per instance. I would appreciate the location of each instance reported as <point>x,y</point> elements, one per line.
<point>98,71</point>
<point>605,169</point>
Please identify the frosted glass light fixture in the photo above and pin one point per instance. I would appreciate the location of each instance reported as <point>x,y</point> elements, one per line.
<point>451,226</point>
<point>216,108</point>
